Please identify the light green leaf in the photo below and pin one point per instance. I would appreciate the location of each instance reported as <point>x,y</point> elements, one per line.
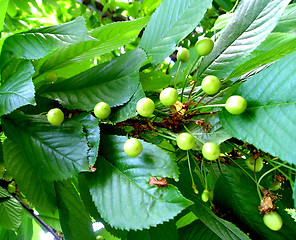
<point>128,110</point>
<point>10,211</point>
<point>172,21</point>
<point>91,128</point>
<point>268,123</point>
<point>287,22</point>
<point>56,152</point>
<point>37,190</point>
<point>120,185</point>
<point>154,80</point>
<point>75,221</point>
<point>276,46</point>
<point>37,43</point>
<point>242,35</point>
<point>186,220</point>
<point>3,4</point>
<point>25,231</point>
<point>100,83</point>
<point>109,37</point>
<point>18,89</point>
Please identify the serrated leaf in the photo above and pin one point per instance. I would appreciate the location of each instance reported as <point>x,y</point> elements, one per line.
<point>276,46</point>
<point>56,152</point>
<point>242,35</point>
<point>100,83</point>
<point>109,37</point>
<point>197,230</point>
<point>154,80</point>
<point>10,211</point>
<point>37,190</point>
<point>91,128</point>
<point>120,185</point>
<point>287,22</point>
<point>172,21</point>
<point>268,121</point>
<point>75,221</point>
<point>128,110</point>
<point>3,4</point>
<point>229,195</point>
<point>37,43</point>
<point>18,89</point>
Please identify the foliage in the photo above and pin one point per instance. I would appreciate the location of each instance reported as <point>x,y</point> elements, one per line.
<point>77,174</point>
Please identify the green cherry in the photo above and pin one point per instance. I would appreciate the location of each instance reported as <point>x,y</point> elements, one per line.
<point>51,77</point>
<point>204,47</point>
<point>11,187</point>
<point>210,84</point>
<point>205,195</point>
<point>236,104</point>
<point>55,116</point>
<point>255,165</point>
<point>133,147</point>
<point>102,110</point>
<point>183,55</point>
<point>168,96</point>
<point>210,151</point>
<point>7,177</point>
<point>145,107</point>
<point>273,221</point>
<point>185,141</point>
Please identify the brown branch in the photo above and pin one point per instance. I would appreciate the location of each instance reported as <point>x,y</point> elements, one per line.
<point>99,8</point>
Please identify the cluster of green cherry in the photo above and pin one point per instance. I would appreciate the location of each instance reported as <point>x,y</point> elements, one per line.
<point>11,188</point>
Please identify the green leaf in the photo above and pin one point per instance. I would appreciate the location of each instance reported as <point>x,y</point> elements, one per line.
<point>242,35</point>
<point>75,221</point>
<point>50,218</point>
<point>110,37</point>
<point>3,4</point>
<point>128,110</point>
<point>56,152</point>
<point>154,80</point>
<point>276,46</point>
<point>7,234</point>
<point>229,195</point>
<point>287,22</point>
<point>172,21</point>
<point>37,43</point>
<point>10,211</point>
<point>197,230</point>
<point>166,231</point>
<point>120,185</point>
<point>25,231</point>
<point>100,83</point>
<point>186,220</point>
<point>268,121</point>
<point>18,89</point>
<point>91,128</point>
<point>37,190</point>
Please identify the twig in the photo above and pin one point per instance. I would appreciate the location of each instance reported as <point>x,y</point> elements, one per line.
<point>38,219</point>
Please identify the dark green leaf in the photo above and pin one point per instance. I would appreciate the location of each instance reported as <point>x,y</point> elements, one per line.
<point>229,195</point>
<point>75,221</point>
<point>268,121</point>
<point>56,152</point>
<point>110,37</point>
<point>128,110</point>
<point>91,128</point>
<point>18,89</point>
<point>242,35</point>
<point>10,211</point>
<point>37,43</point>
<point>172,21</point>
<point>100,83</point>
<point>197,230</point>
<point>37,190</point>
<point>7,234</point>
<point>120,185</point>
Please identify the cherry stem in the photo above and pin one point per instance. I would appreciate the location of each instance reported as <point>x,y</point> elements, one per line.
<point>192,134</point>
<point>189,167</point>
<point>213,105</point>
<point>38,219</point>
<point>178,71</point>
<point>165,136</point>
